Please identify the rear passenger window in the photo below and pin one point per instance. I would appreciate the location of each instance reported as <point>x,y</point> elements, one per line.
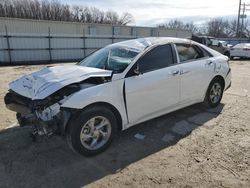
<point>206,53</point>
<point>188,52</point>
<point>158,58</point>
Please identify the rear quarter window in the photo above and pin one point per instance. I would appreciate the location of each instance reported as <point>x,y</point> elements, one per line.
<point>187,52</point>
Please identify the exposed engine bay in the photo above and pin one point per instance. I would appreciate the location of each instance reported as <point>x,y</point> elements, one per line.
<point>46,115</point>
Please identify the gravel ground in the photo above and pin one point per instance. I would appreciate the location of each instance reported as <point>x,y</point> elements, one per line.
<point>193,147</point>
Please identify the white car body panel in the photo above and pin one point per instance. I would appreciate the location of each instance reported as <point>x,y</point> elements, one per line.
<point>45,82</point>
<point>137,98</point>
<point>241,50</point>
<point>195,77</point>
<point>110,92</point>
<point>222,69</point>
<point>152,93</point>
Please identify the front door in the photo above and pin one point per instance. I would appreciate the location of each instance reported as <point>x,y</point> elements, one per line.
<point>156,89</point>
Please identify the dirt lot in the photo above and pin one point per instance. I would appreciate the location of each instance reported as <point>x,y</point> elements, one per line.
<point>193,147</point>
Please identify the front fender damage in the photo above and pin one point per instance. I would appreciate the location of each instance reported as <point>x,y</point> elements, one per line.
<point>46,116</point>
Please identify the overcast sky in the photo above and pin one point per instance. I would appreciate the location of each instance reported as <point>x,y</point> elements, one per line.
<point>154,12</point>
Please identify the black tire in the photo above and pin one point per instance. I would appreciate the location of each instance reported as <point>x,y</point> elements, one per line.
<point>232,57</point>
<point>208,101</point>
<point>77,122</point>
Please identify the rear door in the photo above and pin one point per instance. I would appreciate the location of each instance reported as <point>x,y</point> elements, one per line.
<point>156,89</point>
<point>196,71</point>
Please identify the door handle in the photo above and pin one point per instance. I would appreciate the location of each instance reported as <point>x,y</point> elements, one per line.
<point>175,72</point>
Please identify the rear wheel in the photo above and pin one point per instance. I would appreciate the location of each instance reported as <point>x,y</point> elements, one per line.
<point>214,93</point>
<point>91,131</point>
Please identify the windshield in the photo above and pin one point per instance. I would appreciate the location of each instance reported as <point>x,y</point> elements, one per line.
<point>115,58</point>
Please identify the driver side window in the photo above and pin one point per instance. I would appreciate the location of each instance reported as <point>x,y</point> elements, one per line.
<point>157,58</point>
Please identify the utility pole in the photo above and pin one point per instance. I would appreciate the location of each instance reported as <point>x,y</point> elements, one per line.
<point>238,22</point>
<point>241,16</point>
<point>242,19</point>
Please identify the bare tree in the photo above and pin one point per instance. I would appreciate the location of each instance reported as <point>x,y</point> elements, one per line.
<point>111,17</point>
<point>191,27</point>
<point>125,19</point>
<point>177,24</point>
<point>245,30</point>
<point>231,29</point>
<point>55,10</point>
<point>217,27</point>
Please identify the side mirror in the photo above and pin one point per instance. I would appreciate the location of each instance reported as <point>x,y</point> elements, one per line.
<point>137,72</point>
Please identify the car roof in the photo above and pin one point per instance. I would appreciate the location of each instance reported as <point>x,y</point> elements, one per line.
<point>143,43</point>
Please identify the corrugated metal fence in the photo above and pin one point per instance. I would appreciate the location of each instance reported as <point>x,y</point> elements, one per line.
<point>32,41</point>
<point>235,41</point>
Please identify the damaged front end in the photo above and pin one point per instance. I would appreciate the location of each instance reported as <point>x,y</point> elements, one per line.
<point>37,97</point>
<point>46,116</point>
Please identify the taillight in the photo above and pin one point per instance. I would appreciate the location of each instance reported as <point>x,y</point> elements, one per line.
<point>246,49</point>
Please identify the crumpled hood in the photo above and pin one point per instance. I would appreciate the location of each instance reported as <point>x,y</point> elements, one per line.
<point>45,82</point>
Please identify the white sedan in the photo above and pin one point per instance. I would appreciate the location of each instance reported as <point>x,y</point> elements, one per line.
<point>240,50</point>
<point>116,87</point>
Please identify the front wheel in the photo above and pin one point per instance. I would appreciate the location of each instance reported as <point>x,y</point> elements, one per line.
<point>91,131</point>
<point>214,93</point>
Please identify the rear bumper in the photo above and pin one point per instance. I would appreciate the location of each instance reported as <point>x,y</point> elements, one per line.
<point>228,79</point>
<point>230,84</point>
<point>247,55</point>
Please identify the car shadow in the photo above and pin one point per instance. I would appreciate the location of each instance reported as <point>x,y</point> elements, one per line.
<point>50,163</point>
<point>240,59</point>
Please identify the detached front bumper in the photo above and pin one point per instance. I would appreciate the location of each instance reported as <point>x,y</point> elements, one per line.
<point>17,103</point>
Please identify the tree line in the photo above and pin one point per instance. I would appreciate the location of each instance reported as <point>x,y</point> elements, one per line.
<point>217,27</point>
<point>57,11</point>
